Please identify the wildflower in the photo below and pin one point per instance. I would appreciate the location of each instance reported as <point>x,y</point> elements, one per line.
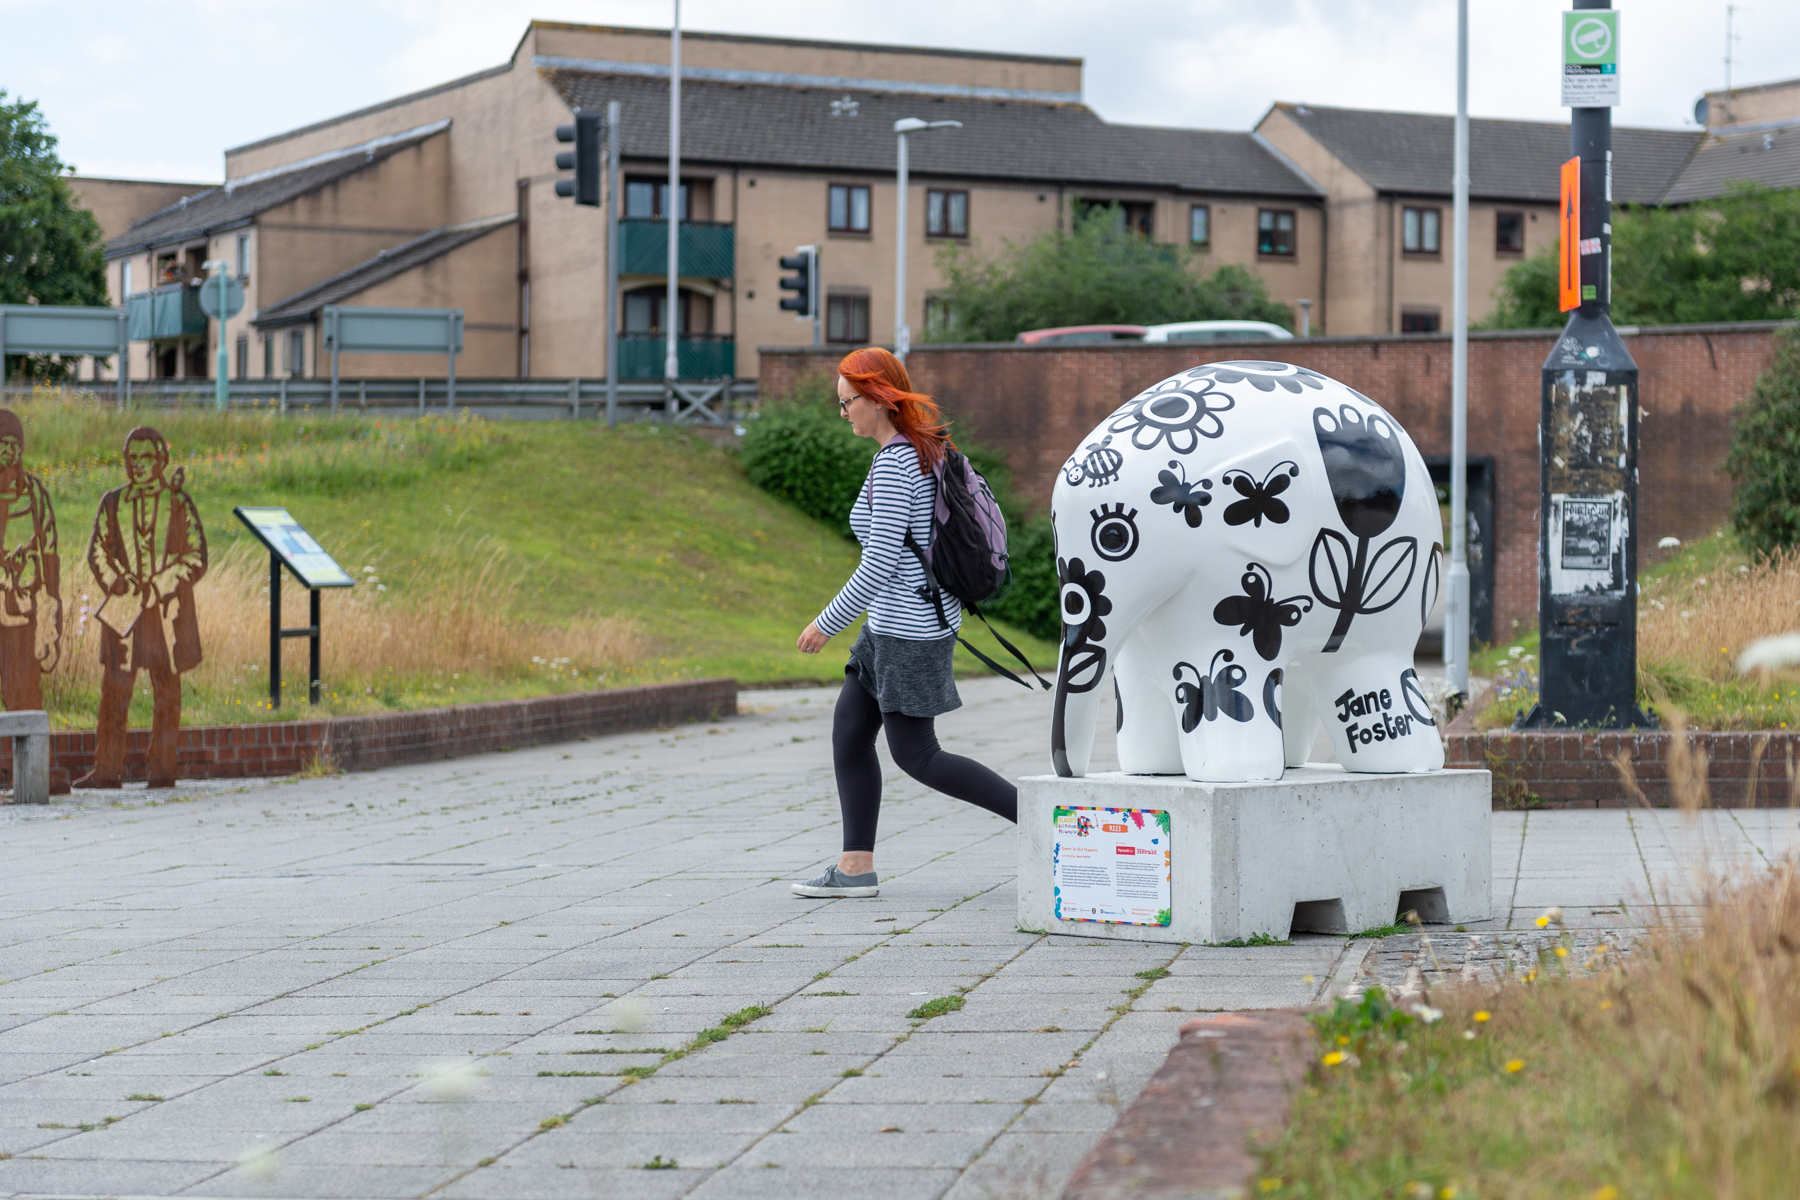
<point>1514,1066</point>
<point>1428,1014</point>
<point>1343,1041</point>
<point>1562,952</point>
<point>1468,1035</point>
<point>1531,975</point>
<point>1482,1017</point>
<point>1268,1185</point>
<point>1605,1004</point>
<point>1333,1059</point>
<point>1447,1192</point>
<point>1605,1192</point>
<point>1551,915</point>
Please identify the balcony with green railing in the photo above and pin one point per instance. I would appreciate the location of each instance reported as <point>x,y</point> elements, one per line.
<point>708,249</point>
<point>170,311</point>
<point>697,356</point>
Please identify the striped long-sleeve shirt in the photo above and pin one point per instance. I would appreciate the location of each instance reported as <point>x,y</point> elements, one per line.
<point>887,582</point>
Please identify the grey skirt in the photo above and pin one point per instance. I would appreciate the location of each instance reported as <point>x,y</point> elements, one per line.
<point>906,676</point>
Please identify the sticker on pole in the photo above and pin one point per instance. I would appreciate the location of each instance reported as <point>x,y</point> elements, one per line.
<point>1590,76</point>
<point>1111,865</point>
<point>1568,249</point>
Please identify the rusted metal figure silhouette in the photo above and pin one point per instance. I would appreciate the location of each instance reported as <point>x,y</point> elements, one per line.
<point>30,576</point>
<point>148,552</point>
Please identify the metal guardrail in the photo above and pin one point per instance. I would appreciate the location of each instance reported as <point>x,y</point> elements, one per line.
<point>501,399</point>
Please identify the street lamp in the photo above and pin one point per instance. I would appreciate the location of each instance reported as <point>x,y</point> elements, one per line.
<point>221,386</point>
<point>902,331</point>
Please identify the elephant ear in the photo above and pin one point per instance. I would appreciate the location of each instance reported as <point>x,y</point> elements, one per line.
<point>1274,542</point>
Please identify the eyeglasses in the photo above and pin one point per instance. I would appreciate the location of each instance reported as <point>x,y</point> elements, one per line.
<point>844,405</point>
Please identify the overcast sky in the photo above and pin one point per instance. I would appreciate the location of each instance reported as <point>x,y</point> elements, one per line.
<point>160,90</point>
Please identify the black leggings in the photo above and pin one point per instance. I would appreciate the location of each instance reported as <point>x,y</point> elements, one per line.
<point>914,745</point>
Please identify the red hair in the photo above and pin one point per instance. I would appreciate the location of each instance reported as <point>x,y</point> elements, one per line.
<point>881,378</point>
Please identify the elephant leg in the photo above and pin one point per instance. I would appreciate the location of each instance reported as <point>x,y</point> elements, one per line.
<point>1298,697</point>
<point>1213,682</point>
<point>1147,733</point>
<point>1378,716</point>
<point>1088,649</point>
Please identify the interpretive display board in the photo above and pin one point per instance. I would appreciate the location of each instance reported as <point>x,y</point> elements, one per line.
<point>1111,865</point>
<point>285,537</point>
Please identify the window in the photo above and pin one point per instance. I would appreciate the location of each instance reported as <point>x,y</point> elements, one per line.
<point>268,357</point>
<point>947,214</point>
<point>243,358</point>
<point>648,199</point>
<point>294,362</point>
<point>243,256</point>
<point>1509,233</point>
<point>1275,231</point>
<point>647,311</point>
<point>1200,224</point>
<point>847,318</point>
<point>1419,230</point>
<point>847,210</point>
<point>937,316</point>
<point>1419,320</point>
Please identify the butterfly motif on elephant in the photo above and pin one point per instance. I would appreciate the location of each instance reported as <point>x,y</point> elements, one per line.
<point>1184,498</point>
<point>1211,696</point>
<point>1173,412</point>
<point>1261,497</point>
<point>1260,616</point>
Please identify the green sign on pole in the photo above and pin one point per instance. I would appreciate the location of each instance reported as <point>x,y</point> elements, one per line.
<point>1590,46</point>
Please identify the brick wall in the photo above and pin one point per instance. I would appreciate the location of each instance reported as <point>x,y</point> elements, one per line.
<point>1580,770</point>
<point>391,739</point>
<point>1037,405</point>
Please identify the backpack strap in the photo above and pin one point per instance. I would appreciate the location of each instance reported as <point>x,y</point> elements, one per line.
<point>934,593</point>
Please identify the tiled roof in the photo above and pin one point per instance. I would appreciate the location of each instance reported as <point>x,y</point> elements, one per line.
<point>1768,154</point>
<point>1508,160</point>
<point>241,199</point>
<point>775,126</point>
<point>384,266</point>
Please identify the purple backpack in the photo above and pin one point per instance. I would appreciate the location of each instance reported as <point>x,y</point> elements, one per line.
<point>967,556</point>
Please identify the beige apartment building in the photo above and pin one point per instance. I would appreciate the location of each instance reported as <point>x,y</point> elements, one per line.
<point>446,198</point>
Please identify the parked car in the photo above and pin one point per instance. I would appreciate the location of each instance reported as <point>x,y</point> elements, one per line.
<point>1071,335</point>
<point>1213,331</point>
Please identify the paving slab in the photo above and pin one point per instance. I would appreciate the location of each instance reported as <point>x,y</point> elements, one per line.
<point>433,955</point>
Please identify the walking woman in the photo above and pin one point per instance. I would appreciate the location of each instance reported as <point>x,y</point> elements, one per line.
<point>899,675</point>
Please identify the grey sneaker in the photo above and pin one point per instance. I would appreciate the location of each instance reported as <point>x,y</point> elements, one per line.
<point>834,884</point>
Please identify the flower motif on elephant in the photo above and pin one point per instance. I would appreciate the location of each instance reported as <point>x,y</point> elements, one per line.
<point>1083,604</point>
<point>1263,376</point>
<point>1174,412</point>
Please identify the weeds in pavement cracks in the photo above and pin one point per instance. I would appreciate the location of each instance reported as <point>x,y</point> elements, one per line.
<point>1666,1067</point>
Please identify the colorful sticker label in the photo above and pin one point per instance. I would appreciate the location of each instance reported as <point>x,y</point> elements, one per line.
<point>1111,865</point>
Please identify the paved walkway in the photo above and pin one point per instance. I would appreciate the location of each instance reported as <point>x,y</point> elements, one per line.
<point>476,978</point>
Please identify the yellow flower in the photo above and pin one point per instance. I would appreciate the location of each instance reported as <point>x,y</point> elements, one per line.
<point>1343,1041</point>
<point>1333,1059</point>
<point>1542,922</point>
<point>1605,1192</point>
<point>1514,1066</point>
<point>1562,952</point>
<point>1600,949</point>
<point>1605,1004</point>
<point>1447,1192</point>
<point>1267,1185</point>
<point>1531,976</point>
<point>1483,1016</point>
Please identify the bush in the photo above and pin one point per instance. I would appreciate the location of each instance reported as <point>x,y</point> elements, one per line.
<point>1100,273</point>
<point>1764,462</point>
<point>1030,603</point>
<point>801,450</point>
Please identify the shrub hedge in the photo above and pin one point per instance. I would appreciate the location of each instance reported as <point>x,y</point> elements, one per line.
<point>1764,462</point>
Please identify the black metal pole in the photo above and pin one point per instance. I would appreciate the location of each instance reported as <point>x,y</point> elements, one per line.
<point>1588,435</point>
<point>274,630</point>
<point>314,639</point>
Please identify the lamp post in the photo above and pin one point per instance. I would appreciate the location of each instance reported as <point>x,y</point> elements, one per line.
<point>221,385</point>
<point>903,331</point>
<point>1456,607</point>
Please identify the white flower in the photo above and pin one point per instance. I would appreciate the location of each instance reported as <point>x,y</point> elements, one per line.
<point>1514,651</point>
<point>1669,543</point>
<point>1770,653</point>
<point>1428,1014</point>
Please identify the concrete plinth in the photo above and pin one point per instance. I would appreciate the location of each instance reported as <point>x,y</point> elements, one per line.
<point>1321,849</point>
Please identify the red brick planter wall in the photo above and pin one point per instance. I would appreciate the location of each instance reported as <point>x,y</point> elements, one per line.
<point>391,739</point>
<point>1036,404</point>
<point>1534,769</point>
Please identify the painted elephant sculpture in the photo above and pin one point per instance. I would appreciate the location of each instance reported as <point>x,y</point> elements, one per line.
<point>1253,548</point>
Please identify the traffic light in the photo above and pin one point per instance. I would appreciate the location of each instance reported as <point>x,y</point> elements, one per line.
<point>584,160</point>
<point>804,283</point>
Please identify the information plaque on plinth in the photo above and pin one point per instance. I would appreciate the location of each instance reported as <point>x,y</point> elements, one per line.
<point>1163,858</point>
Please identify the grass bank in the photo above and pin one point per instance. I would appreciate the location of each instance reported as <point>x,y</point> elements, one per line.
<point>1699,607</point>
<point>498,559</point>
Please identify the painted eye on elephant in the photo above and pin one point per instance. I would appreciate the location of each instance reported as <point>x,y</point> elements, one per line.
<point>1115,532</point>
